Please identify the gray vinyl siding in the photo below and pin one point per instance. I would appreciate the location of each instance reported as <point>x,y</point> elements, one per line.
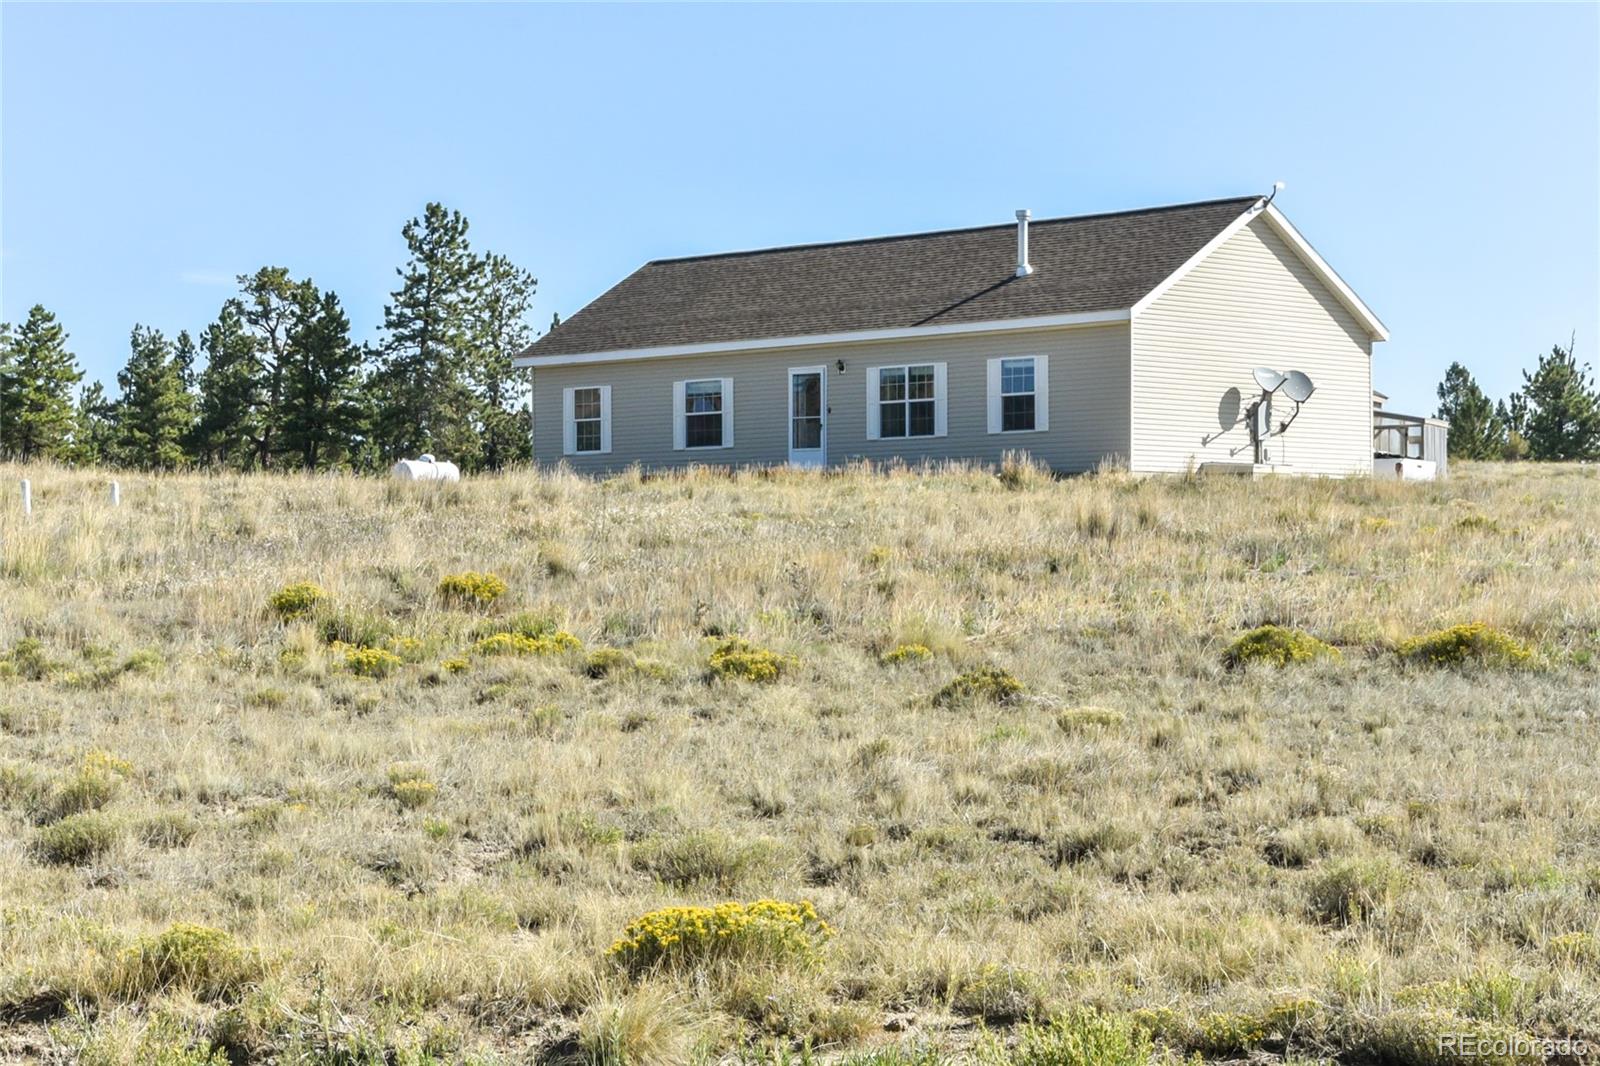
<point>1252,302</point>
<point>1088,387</point>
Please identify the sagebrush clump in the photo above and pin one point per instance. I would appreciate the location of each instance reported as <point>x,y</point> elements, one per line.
<point>1463,645</point>
<point>205,962</point>
<point>471,589</point>
<point>736,658</point>
<point>1277,645</point>
<point>767,930</point>
<point>987,683</point>
<point>77,839</point>
<point>296,601</point>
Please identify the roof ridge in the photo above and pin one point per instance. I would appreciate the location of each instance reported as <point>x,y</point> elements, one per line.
<point>948,232</point>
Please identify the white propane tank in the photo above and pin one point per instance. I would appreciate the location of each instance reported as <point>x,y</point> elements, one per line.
<point>425,468</point>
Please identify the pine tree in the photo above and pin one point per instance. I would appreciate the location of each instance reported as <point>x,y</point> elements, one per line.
<point>270,300</point>
<point>36,408</point>
<point>9,384</point>
<point>501,299</point>
<point>1475,432</point>
<point>155,414</point>
<point>1563,408</point>
<point>424,402</point>
<point>231,404</point>
<point>322,415</point>
<point>94,428</point>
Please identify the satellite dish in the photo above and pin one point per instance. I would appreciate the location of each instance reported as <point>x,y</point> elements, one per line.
<point>1267,378</point>
<point>1297,386</point>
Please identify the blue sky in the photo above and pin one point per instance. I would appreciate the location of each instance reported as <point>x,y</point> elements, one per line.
<point>1444,159</point>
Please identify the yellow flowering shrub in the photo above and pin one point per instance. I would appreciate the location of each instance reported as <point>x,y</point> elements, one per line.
<point>1470,643</point>
<point>411,787</point>
<point>1278,646</point>
<point>768,929</point>
<point>297,600</point>
<point>194,958</point>
<point>988,683</point>
<point>907,653</point>
<point>471,589</point>
<point>456,665</point>
<point>520,644</point>
<point>367,662</point>
<point>738,658</point>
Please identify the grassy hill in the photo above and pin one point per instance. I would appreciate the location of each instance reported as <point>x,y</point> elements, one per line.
<point>406,821</point>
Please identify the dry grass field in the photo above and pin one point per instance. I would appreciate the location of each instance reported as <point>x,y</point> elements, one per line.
<point>366,828</point>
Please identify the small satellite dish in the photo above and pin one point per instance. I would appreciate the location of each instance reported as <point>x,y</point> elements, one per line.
<point>1297,386</point>
<point>1267,378</point>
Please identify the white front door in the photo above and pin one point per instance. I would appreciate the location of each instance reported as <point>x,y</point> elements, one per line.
<point>808,416</point>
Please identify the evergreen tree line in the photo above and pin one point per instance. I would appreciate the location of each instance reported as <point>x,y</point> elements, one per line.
<point>276,382</point>
<point>1555,415</point>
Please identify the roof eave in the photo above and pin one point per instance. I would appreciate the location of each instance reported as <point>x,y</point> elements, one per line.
<point>865,336</point>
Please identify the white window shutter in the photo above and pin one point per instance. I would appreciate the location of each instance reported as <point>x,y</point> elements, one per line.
<point>874,412</point>
<point>727,412</point>
<point>605,419</point>
<point>1041,392</point>
<point>941,421</point>
<point>677,415</point>
<point>569,429</point>
<point>994,396</point>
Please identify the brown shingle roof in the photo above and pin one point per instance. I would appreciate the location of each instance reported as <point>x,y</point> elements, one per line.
<point>1083,264</point>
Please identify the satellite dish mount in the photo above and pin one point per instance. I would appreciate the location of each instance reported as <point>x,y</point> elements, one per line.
<point>1295,386</point>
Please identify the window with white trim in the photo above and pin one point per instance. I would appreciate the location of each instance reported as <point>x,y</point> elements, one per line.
<point>702,413</point>
<point>1019,394</point>
<point>1016,395</point>
<point>586,428</point>
<point>906,401</point>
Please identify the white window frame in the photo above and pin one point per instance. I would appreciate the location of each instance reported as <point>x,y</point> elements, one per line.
<point>941,424</point>
<point>679,415</point>
<point>1041,394</point>
<point>569,423</point>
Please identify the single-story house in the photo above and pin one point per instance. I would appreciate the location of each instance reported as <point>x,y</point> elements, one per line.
<point>1129,338</point>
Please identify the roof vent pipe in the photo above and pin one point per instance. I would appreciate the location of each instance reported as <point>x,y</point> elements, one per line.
<point>1024,268</point>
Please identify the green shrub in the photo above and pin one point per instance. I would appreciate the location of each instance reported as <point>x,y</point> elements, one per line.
<point>27,659</point>
<point>296,601</point>
<point>169,829</point>
<point>701,858</point>
<point>517,644</point>
<point>1440,1038</point>
<point>361,629</point>
<point>736,658</point>
<point>987,683</point>
<point>901,654</point>
<point>768,930</point>
<point>607,662</point>
<point>1083,1038</point>
<point>1462,645</point>
<point>77,839</point>
<point>523,624</point>
<point>87,790</point>
<point>1278,646</point>
<point>1349,891</point>
<point>1000,995</point>
<point>471,589</point>
<point>198,959</point>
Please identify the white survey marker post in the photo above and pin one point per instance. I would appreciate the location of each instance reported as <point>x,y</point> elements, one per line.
<point>27,497</point>
<point>116,494</point>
